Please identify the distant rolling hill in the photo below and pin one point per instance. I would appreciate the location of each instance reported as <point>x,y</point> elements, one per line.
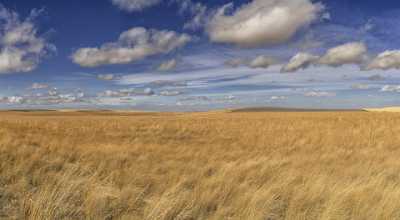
<point>277,109</point>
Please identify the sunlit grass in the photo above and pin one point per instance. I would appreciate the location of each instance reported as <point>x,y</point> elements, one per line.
<point>200,166</point>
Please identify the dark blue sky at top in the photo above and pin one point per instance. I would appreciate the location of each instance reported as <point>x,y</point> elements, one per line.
<point>82,23</point>
<point>73,24</point>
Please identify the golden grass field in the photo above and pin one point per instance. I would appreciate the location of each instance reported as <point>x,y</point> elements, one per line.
<point>217,165</point>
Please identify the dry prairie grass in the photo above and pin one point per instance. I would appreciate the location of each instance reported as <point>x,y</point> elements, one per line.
<point>331,165</point>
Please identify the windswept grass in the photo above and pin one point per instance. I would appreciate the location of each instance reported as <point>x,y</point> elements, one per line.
<point>331,165</point>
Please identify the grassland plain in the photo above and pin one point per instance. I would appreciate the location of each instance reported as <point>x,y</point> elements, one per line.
<point>244,165</point>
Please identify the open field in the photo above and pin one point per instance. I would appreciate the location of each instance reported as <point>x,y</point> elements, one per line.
<point>221,165</point>
<point>388,109</point>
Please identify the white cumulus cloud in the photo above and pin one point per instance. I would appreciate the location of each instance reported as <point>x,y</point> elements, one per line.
<point>262,62</point>
<point>132,45</point>
<point>39,86</point>
<point>275,98</point>
<point>299,61</point>
<point>21,47</point>
<point>236,62</point>
<point>391,88</point>
<point>15,100</point>
<point>389,59</point>
<point>319,94</point>
<point>126,92</point>
<point>106,77</point>
<point>349,53</point>
<point>168,65</point>
<point>360,86</point>
<point>170,93</point>
<point>135,5</point>
<point>262,22</point>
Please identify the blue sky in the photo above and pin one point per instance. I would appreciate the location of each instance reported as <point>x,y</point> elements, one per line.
<point>189,55</point>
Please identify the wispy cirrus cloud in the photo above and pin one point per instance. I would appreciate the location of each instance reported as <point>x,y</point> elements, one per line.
<point>197,11</point>
<point>135,5</point>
